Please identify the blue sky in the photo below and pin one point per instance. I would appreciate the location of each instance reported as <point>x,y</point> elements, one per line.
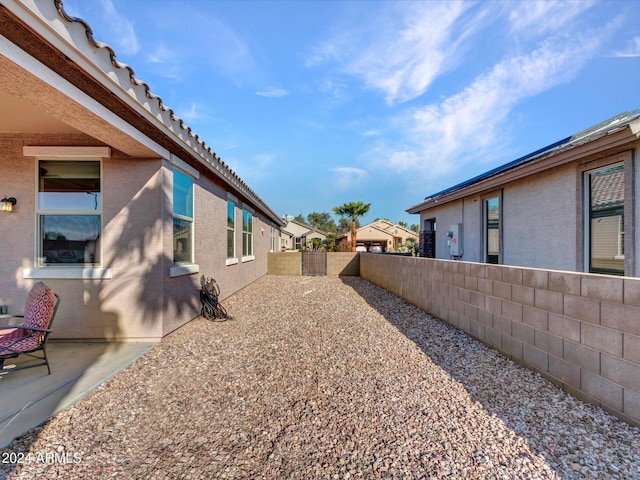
<point>318,103</point>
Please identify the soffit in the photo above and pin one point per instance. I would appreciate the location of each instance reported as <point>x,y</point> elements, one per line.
<point>25,118</point>
<point>53,112</point>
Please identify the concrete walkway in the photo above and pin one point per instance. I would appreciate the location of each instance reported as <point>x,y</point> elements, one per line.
<point>30,397</point>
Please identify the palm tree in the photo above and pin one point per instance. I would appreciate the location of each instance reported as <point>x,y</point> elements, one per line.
<point>352,211</point>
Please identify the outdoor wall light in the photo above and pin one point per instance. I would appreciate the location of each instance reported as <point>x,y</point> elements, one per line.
<point>7,204</point>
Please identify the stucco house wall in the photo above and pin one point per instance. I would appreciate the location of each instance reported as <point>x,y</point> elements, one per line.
<point>466,211</point>
<point>370,234</point>
<point>210,211</point>
<point>140,300</point>
<point>472,228</point>
<point>541,215</point>
<point>538,228</point>
<point>71,100</point>
<point>132,203</point>
<point>543,202</point>
<point>287,240</point>
<point>389,235</point>
<point>297,228</point>
<point>306,234</point>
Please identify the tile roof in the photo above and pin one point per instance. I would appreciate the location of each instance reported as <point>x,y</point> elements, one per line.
<point>166,115</point>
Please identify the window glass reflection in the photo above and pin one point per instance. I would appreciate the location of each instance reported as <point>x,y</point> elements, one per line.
<point>607,220</point>
<point>70,238</point>
<point>492,232</point>
<point>182,241</point>
<point>69,185</point>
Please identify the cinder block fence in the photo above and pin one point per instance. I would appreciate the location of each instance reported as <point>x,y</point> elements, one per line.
<point>290,263</point>
<point>580,331</point>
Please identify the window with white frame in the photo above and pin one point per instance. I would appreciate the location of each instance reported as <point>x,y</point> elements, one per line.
<point>69,212</point>
<point>231,229</point>
<point>605,220</point>
<point>247,233</point>
<point>182,218</point>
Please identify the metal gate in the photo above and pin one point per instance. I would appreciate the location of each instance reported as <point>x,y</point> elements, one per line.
<point>314,263</point>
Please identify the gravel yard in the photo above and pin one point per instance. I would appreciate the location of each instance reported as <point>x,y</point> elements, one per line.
<point>326,377</point>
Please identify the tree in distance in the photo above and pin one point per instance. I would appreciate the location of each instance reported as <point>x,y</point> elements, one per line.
<point>322,221</point>
<point>352,211</point>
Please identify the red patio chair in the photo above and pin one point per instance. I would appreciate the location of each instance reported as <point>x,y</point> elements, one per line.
<point>31,336</point>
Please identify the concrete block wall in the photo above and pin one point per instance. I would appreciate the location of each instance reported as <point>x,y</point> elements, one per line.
<point>284,263</point>
<point>290,263</point>
<point>343,263</point>
<point>580,331</point>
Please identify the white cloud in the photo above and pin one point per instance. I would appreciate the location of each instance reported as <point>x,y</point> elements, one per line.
<point>335,89</point>
<point>199,44</point>
<point>411,44</point>
<point>167,63</point>
<point>194,112</point>
<point>632,50</point>
<point>404,50</point>
<point>405,63</point>
<point>371,133</point>
<point>161,54</point>
<point>273,92</point>
<point>255,169</point>
<point>544,16</point>
<point>232,54</point>
<point>263,160</point>
<point>465,127</point>
<point>127,43</point>
<point>348,177</point>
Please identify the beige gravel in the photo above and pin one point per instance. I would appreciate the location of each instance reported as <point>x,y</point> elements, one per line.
<point>325,377</point>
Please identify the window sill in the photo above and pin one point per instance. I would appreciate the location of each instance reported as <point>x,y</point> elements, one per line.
<point>67,272</point>
<point>250,258</point>
<point>179,270</point>
<point>232,261</point>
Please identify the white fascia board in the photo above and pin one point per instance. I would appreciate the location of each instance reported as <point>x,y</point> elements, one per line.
<point>184,166</point>
<point>70,38</point>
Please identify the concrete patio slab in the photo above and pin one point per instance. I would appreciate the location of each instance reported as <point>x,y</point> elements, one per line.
<point>30,397</point>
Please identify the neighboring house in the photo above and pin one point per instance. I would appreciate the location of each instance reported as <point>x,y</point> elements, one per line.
<point>287,240</point>
<point>120,207</point>
<point>300,236</point>
<point>570,206</point>
<point>382,233</point>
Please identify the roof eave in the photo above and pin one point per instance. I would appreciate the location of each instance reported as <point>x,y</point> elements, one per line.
<point>553,158</point>
<point>74,38</point>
